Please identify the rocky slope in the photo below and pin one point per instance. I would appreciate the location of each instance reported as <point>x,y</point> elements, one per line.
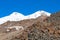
<point>41,28</point>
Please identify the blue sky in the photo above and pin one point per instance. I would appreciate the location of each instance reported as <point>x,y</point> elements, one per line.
<point>27,7</point>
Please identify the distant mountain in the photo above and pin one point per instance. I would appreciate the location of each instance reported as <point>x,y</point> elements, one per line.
<point>15,16</point>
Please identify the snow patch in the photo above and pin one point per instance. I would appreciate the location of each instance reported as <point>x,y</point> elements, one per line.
<point>16,27</point>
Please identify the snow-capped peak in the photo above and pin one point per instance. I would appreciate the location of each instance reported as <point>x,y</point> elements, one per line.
<point>15,16</point>
<point>46,13</point>
<point>39,13</point>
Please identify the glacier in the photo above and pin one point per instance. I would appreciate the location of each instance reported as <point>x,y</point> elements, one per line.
<point>16,16</point>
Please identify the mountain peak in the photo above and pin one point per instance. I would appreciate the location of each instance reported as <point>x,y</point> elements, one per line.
<point>43,13</point>
<point>16,14</point>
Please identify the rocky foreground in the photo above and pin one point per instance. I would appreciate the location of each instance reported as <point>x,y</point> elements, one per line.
<point>42,28</point>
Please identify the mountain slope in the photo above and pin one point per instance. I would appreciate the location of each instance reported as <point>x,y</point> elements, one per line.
<point>41,28</point>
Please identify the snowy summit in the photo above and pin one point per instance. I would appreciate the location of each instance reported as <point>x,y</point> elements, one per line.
<point>15,16</point>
